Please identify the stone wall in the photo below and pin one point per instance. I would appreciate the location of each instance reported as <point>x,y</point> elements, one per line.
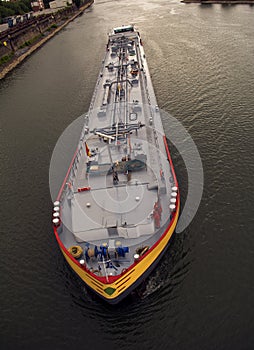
<point>17,43</point>
<point>27,33</point>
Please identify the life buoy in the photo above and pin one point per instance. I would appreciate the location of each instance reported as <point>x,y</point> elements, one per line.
<point>75,251</point>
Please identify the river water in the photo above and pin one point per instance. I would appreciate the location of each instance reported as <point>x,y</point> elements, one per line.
<point>201,294</point>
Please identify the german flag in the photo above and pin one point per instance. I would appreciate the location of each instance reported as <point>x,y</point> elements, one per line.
<point>87,150</point>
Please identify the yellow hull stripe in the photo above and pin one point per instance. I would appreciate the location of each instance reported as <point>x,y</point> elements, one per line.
<point>132,275</point>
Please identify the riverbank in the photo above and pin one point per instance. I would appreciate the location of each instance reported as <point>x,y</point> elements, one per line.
<point>16,60</point>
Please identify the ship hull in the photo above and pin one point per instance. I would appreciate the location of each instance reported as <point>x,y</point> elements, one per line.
<point>119,203</point>
<point>130,279</point>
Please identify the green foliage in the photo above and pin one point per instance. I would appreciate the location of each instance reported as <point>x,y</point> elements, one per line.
<point>31,41</point>
<point>5,58</point>
<point>53,26</point>
<point>26,43</point>
<point>5,12</point>
<point>14,8</point>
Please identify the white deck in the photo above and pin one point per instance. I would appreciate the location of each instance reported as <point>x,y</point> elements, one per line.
<point>123,122</point>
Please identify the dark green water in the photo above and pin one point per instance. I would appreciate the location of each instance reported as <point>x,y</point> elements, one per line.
<point>201,294</point>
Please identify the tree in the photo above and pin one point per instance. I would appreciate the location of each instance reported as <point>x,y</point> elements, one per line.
<point>8,9</point>
<point>5,12</point>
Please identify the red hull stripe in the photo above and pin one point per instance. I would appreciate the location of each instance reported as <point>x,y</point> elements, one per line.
<point>66,176</point>
<point>170,160</point>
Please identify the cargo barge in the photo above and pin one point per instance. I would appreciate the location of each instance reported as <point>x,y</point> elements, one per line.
<point>119,203</point>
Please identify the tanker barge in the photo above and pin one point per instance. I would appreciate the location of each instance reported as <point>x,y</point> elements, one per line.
<point>119,203</point>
